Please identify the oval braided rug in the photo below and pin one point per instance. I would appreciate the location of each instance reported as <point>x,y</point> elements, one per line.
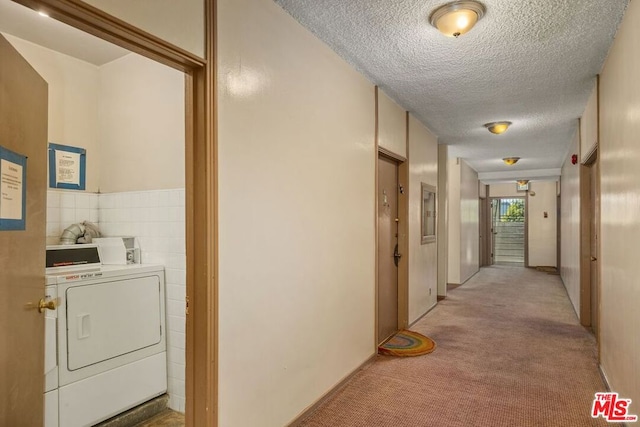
<point>407,343</point>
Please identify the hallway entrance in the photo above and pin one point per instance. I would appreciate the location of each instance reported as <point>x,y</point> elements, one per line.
<point>509,353</point>
<point>508,231</point>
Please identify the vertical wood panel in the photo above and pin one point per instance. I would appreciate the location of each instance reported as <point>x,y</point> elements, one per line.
<point>23,130</point>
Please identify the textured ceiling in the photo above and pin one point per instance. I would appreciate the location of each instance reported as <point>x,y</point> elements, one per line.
<point>26,24</point>
<point>531,62</point>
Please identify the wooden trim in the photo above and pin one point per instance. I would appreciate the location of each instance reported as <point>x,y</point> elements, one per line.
<point>390,154</point>
<point>325,397</point>
<point>585,246</point>
<point>375,222</point>
<point>599,247</point>
<point>200,183</point>
<point>592,156</point>
<point>92,20</point>
<point>425,313</point>
<point>202,364</point>
<point>403,235</point>
<point>526,230</point>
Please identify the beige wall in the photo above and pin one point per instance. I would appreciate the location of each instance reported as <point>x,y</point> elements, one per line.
<point>464,232</point>
<point>570,226</point>
<point>543,237</point>
<point>620,203</point>
<point>73,101</point>
<point>178,22</point>
<point>589,125</point>
<point>469,222</point>
<point>141,126</point>
<point>504,190</point>
<point>443,218</point>
<point>453,206</point>
<point>296,217</point>
<point>392,125</point>
<point>423,259</point>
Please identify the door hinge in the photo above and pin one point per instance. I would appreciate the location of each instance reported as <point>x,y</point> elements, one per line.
<point>186,307</point>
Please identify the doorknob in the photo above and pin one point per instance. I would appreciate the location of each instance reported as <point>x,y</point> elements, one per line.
<point>51,304</point>
<point>396,255</point>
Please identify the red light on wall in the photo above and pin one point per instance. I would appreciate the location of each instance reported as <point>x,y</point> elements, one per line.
<point>574,159</point>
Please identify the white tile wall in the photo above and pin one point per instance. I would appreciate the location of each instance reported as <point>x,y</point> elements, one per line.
<point>65,208</point>
<point>157,219</point>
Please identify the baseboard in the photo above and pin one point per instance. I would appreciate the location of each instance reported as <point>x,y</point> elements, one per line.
<point>605,380</point>
<point>311,408</point>
<point>424,314</point>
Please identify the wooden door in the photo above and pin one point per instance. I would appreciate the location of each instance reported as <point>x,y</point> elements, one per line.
<point>23,130</point>
<point>594,225</point>
<point>388,255</point>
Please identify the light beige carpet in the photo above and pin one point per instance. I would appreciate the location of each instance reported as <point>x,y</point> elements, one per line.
<point>510,352</point>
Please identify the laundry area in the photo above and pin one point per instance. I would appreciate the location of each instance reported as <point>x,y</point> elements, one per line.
<point>115,222</point>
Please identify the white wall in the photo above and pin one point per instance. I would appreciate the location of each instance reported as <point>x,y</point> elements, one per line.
<point>178,22</point>
<point>469,222</point>
<point>620,222</point>
<point>157,219</point>
<point>464,231</point>
<point>570,226</point>
<point>423,259</point>
<point>392,125</point>
<point>453,205</point>
<point>141,126</point>
<point>296,216</point>
<point>73,101</point>
<point>442,214</point>
<point>67,207</point>
<point>505,190</point>
<point>543,237</point>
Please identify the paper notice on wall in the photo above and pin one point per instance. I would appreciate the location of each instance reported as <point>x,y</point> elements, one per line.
<point>11,190</point>
<point>67,167</point>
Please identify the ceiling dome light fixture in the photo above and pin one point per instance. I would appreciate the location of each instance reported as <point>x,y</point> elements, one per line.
<point>511,160</point>
<point>457,18</point>
<point>497,127</point>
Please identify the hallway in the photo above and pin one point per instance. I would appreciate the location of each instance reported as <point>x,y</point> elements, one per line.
<point>511,352</point>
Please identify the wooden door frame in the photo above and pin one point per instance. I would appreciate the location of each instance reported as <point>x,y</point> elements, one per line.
<point>525,198</point>
<point>200,184</point>
<point>585,237</point>
<point>403,225</point>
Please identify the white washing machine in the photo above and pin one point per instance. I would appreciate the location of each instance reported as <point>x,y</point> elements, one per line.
<point>105,345</point>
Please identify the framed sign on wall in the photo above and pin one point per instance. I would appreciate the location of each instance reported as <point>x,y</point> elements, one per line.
<point>13,190</point>
<point>67,167</point>
<point>428,214</point>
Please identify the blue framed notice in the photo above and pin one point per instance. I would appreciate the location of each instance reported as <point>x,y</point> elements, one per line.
<point>67,167</point>
<point>13,190</point>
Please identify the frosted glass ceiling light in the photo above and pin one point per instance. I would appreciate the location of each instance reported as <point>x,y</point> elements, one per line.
<point>457,18</point>
<point>511,160</point>
<point>498,127</point>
